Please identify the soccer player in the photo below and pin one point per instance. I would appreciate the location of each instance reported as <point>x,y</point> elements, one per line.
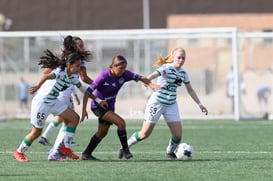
<point>23,95</point>
<point>170,75</point>
<point>230,86</point>
<point>42,106</point>
<point>67,98</point>
<point>263,94</point>
<point>71,44</point>
<point>106,87</point>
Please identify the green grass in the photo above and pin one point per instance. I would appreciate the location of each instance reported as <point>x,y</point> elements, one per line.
<point>224,150</point>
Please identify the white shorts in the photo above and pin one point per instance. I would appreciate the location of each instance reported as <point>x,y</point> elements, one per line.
<point>68,101</point>
<point>154,110</point>
<point>40,111</point>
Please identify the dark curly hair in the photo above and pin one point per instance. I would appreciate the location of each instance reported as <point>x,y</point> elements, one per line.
<point>69,45</point>
<point>52,61</point>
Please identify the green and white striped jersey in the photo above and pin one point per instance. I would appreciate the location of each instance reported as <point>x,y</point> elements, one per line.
<point>169,79</point>
<point>63,81</point>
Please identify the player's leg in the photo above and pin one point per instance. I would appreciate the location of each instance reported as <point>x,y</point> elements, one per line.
<point>173,121</point>
<point>146,130</point>
<point>176,130</point>
<point>26,143</point>
<point>112,117</point>
<point>152,114</point>
<point>71,120</point>
<point>50,128</point>
<point>102,131</point>
<point>39,113</point>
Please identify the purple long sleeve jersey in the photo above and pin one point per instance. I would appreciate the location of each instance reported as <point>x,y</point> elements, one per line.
<point>106,87</point>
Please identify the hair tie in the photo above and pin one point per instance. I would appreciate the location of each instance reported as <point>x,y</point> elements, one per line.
<point>120,61</point>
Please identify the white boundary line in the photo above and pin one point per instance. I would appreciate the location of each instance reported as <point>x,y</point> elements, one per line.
<point>162,152</point>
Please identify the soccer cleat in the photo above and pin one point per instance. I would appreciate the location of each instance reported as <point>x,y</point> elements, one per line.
<point>44,141</point>
<point>68,152</point>
<point>56,157</point>
<point>172,156</point>
<point>124,153</point>
<point>88,157</point>
<point>20,157</point>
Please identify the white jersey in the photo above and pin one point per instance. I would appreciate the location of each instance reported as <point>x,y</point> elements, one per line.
<point>45,88</point>
<point>230,82</point>
<point>63,82</point>
<point>66,96</point>
<point>169,79</point>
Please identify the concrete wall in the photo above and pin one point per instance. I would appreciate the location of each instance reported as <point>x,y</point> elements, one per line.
<point>118,14</point>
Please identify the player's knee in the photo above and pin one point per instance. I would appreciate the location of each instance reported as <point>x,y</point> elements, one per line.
<point>121,125</point>
<point>74,120</point>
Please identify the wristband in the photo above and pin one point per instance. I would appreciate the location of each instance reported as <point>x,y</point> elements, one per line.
<point>98,100</point>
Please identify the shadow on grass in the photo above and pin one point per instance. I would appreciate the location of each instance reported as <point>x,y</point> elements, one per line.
<point>13,175</point>
<point>151,160</point>
<point>186,161</point>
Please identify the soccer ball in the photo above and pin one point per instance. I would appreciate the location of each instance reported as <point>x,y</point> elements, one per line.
<point>184,151</point>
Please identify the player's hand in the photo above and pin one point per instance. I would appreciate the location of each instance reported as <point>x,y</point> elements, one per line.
<point>104,104</point>
<point>204,109</point>
<point>154,87</point>
<point>84,114</point>
<point>33,89</point>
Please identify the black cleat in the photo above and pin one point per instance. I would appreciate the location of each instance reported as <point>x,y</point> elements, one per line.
<point>172,156</point>
<point>44,141</point>
<point>88,157</point>
<point>124,153</point>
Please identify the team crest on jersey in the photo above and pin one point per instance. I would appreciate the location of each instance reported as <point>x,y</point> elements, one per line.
<point>121,80</point>
<point>183,74</point>
<point>106,84</point>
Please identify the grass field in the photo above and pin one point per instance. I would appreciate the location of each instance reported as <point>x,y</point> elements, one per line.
<point>224,150</point>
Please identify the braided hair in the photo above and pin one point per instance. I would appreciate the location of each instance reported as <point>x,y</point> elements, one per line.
<point>50,60</point>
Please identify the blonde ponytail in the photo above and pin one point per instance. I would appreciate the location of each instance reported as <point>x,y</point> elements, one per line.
<point>168,59</point>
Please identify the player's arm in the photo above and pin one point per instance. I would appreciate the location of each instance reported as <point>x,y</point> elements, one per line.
<point>40,82</point>
<point>153,75</point>
<point>148,82</point>
<point>84,77</point>
<point>76,95</point>
<point>88,94</point>
<point>194,96</point>
<point>47,70</point>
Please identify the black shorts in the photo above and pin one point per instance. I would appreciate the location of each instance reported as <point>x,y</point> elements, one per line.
<point>99,112</point>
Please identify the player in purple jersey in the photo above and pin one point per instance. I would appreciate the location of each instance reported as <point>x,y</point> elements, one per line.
<point>105,88</point>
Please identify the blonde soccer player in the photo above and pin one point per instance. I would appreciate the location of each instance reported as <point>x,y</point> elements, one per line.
<point>171,75</point>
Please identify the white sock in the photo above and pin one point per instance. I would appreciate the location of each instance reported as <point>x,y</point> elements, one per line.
<point>50,128</point>
<point>59,140</point>
<point>133,139</point>
<point>171,146</point>
<point>68,138</point>
<point>23,146</point>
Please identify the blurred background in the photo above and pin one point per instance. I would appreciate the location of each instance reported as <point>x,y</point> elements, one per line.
<point>219,37</point>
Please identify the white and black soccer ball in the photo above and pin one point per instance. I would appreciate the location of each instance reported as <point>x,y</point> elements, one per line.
<point>184,151</point>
